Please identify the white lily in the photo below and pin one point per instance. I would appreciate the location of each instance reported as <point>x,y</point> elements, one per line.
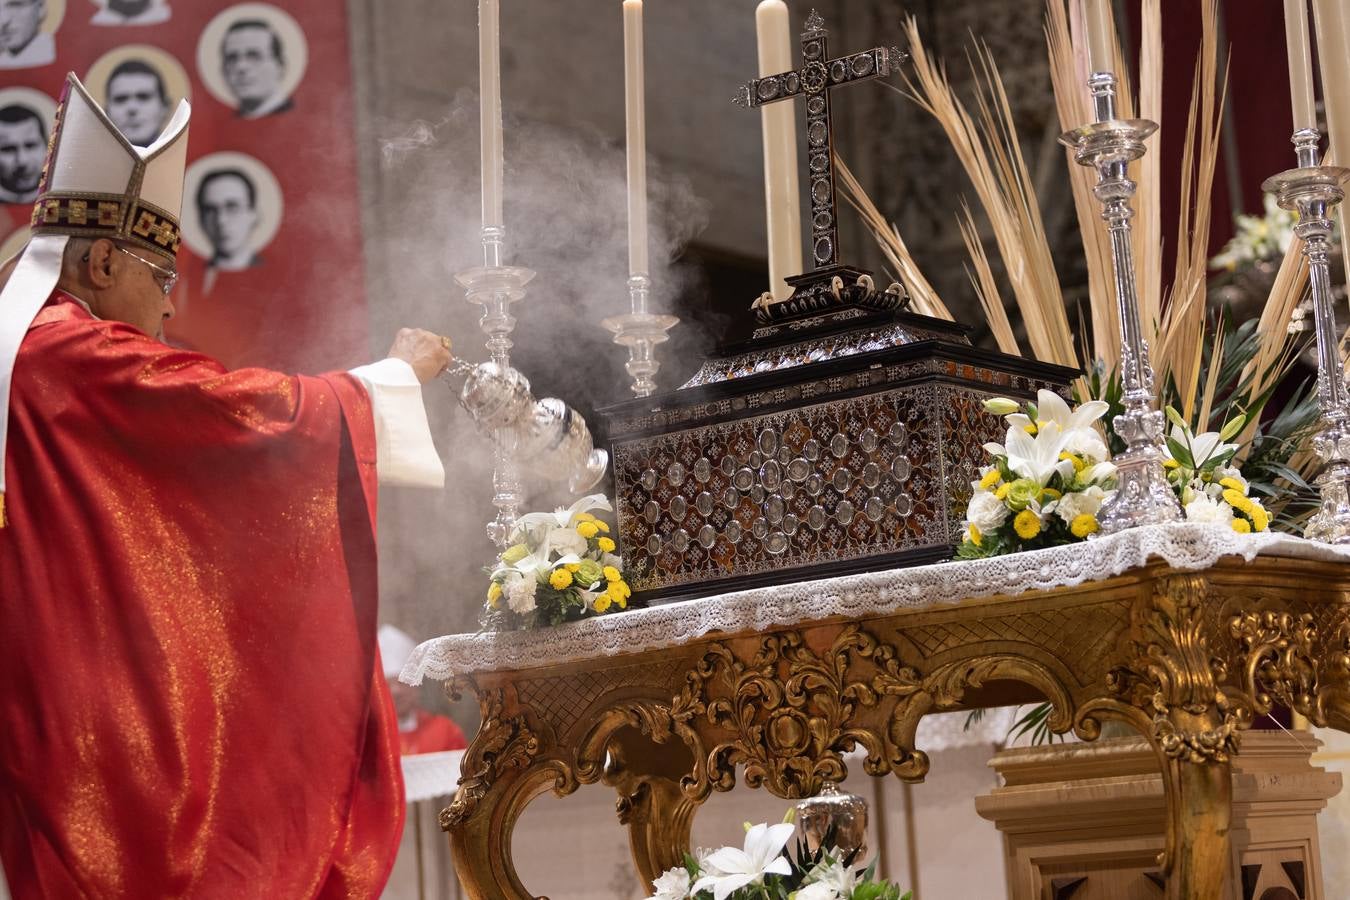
<point>832,881</point>
<point>1202,447</point>
<point>1075,424</point>
<point>729,869</point>
<point>1037,458</point>
<point>560,517</point>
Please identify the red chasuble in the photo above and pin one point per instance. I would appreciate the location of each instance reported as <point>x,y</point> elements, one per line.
<point>190,699</point>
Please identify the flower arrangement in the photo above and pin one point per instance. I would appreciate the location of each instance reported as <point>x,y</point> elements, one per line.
<point>1046,482</point>
<point>1258,238</point>
<point>761,870</point>
<point>560,567</point>
<point>1211,490</point>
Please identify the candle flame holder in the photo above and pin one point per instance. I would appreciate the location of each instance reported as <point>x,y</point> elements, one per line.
<point>1313,190</point>
<point>495,287</point>
<point>1143,495</point>
<point>641,331</point>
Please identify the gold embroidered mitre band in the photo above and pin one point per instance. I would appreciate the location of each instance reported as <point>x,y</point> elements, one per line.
<point>97,184</point>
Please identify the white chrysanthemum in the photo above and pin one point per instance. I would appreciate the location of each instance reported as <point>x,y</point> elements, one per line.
<point>672,885</point>
<point>1205,509</point>
<point>1079,503</point>
<point>520,595</point>
<point>986,512</point>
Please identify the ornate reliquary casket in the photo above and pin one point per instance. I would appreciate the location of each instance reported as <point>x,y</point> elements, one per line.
<point>842,437</point>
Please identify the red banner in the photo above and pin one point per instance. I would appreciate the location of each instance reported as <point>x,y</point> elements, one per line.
<point>271,259</point>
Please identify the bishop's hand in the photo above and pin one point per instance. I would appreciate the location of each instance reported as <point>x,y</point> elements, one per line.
<point>427,353</point>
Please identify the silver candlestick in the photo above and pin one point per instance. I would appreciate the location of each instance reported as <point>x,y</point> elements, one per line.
<point>1109,145</point>
<point>1313,190</point>
<point>494,287</point>
<point>640,331</point>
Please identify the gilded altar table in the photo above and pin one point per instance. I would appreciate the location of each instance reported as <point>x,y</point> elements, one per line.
<point>1183,632</point>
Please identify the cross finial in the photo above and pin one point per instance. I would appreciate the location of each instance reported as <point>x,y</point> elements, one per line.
<point>814,22</point>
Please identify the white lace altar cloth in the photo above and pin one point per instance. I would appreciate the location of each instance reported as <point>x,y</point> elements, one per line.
<point>1182,545</point>
<point>429,775</point>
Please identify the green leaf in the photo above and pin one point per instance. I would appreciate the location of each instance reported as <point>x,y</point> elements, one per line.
<point>1180,452</point>
<point>1232,427</point>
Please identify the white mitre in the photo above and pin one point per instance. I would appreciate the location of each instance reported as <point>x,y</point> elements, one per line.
<point>95,184</point>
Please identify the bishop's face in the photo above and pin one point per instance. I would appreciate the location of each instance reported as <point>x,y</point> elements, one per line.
<point>20,21</point>
<point>136,106</point>
<point>252,69</point>
<point>22,152</point>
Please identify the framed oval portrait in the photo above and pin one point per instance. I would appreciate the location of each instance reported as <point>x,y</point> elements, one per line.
<point>252,57</point>
<point>26,119</point>
<point>232,209</point>
<point>139,85</point>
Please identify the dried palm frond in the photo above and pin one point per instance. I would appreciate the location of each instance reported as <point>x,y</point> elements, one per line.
<point>988,149</point>
<point>1182,331</point>
<point>923,298</point>
<point>985,285</point>
<point>1068,76</point>
<point>1148,216</point>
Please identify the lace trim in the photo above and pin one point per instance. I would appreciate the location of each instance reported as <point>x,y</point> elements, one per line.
<point>1184,546</point>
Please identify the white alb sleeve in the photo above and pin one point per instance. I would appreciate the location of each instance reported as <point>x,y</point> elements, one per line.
<point>405,455</point>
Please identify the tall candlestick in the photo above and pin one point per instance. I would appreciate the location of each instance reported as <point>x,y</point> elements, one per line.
<point>781,193</point>
<point>1097,18</point>
<point>637,138</point>
<point>490,109</point>
<point>1333,54</point>
<point>1300,63</point>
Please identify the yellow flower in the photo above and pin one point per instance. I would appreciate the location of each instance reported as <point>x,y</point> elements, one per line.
<point>1083,525</point>
<point>623,602</point>
<point>991,478</point>
<point>1170,463</point>
<point>1051,493</point>
<point>494,594</point>
<point>1233,484</point>
<point>574,568</point>
<point>975,537</point>
<point>560,579</point>
<point>1242,526</point>
<point>1027,524</point>
<point>587,530</point>
<point>606,544</point>
<point>602,602</point>
<point>602,525</point>
<point>620,589</point>
<point>1030,428</point>
<point>583,517</point>
<point>1260,518</point>
<point>1079,463</point>
<point>1002,492</point>
<point>1236,500</point>
<point>612,574</point>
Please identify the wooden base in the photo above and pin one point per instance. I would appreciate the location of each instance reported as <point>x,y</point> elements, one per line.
<point>1088,821</point>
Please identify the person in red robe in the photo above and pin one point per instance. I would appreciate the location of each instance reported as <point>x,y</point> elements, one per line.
<point>419,731</point>
<point>193,702</point>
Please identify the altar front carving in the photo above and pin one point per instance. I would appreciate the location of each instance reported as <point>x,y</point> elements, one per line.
<point>1185,646</point>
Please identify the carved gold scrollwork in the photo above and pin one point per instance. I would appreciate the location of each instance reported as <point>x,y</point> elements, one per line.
<point>789,711</point>
<point>1168,672</point>
<point>501,744</point>
<point>1280,661</point>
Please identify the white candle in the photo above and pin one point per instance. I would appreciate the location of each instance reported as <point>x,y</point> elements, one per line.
<point>1097,17</point>
<point>782,199</point>
<point>1333,54</point>
<point>490,108</point>
<point>637,137</point>
<point>1299,50</point>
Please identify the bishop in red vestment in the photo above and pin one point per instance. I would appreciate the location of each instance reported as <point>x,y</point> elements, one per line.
<point>193,704</point>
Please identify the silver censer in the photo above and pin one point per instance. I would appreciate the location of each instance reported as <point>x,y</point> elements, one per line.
<point>1109,145</point>
<point>1313,190</point>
